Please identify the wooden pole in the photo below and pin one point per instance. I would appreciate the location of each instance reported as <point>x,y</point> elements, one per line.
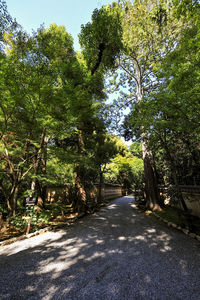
<point>28,225</point>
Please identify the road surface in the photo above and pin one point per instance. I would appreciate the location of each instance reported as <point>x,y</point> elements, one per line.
<point>117,253</point>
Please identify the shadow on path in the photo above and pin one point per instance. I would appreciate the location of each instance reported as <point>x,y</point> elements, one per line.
<point>117,253</point>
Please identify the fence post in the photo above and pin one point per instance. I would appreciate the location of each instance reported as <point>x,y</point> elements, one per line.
<point>1,220</point>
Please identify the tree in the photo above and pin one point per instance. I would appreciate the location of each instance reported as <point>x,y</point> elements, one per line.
<point>155,31</point>
<point>31,88</point>
<point>7,24</point>
<point>125,169</point>
<point>106,148</point>
<point>145,32</point>
<point>170,112</point>
<point>100,39</point>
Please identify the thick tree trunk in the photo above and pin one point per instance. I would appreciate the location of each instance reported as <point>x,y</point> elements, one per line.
<point>81,194</point>
<point>151,188</point>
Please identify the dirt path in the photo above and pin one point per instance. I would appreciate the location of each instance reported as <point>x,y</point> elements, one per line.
<point>117,253</point>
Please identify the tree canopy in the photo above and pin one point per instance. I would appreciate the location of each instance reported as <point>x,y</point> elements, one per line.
<point>54,129</point>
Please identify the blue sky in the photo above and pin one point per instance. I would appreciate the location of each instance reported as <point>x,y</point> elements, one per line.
<point>71,13</point>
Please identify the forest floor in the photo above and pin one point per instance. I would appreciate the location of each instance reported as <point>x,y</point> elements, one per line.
<point>18,226</point>
<point>9,230</point>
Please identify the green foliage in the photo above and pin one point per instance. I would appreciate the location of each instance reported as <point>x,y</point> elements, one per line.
<point>170,113</point>
<point>18,222</point>
<point>136,149</point>
<point>126,170</point>
<point>188,8</point>
<point>101,38</point>
<point>7,25</point>
<point>59,171</point>
<point>31,88</point>
<point>52,124</point>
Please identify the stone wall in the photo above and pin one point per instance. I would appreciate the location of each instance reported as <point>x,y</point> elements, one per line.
<point>108,191</point>
<point>111,191</point>
<point>193,202</point>
<point>191,196</point>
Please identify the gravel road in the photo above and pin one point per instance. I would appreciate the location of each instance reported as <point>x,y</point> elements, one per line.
<point>117,253</point>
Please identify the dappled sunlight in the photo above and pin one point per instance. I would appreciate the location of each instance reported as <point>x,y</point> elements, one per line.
<point>155,239</point>
<point>115,251</point>
<point>101,256</point>
<point>35,241</point>
<point>121,238</point>
<point>112,206</point>
<point>60,243</point>
<point>141,238</point>
<point>98,242</point>
<point>95,255</point>
<point>151,230</point>
<point>165,249</point>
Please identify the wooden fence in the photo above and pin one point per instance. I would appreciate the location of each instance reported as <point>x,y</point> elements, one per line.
<point>56,193</point>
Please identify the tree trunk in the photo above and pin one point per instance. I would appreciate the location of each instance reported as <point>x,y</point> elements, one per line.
<point>100,185</point>
<point>43,189</point>
<point>81,194</point>
<point>37,164</point>
<point>79,180</point>
<point>151,187</point>
<point>12,200</point>
<point>16,177</point>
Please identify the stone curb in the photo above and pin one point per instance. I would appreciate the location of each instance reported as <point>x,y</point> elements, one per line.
<point>41,231</point>
<point>171,224</point>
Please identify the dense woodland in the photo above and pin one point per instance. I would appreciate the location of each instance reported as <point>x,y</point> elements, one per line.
<point>57,127</point>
